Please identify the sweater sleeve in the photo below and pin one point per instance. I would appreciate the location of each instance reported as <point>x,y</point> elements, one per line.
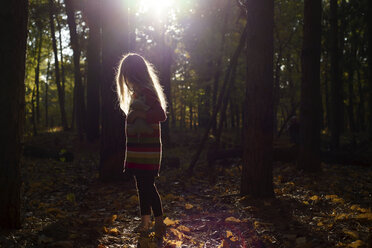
<point>155,112</point>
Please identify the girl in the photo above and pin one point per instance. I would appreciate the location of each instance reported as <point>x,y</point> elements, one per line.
<point>136,79</point>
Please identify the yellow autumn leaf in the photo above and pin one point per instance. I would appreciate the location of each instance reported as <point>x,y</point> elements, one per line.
<point>330,197</point>
<point>177,233</point>
<point>342,216</point>
<point>229,234</point>
<point>305,202</point>
<point>353,234</point>
<point>356,244</point>
<point>314,198</point>
<point>188,206</point>
<point>320,223</point>
<point>234,239</point>
<point>183,228</point>
<point>114,231</point>
<point>232,219</point>
<point>170,222</point>
<point>113,217</point>
<point>105,230</point>
<point>367,216</point>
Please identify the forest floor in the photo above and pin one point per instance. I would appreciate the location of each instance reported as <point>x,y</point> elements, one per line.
<point>65,205</point>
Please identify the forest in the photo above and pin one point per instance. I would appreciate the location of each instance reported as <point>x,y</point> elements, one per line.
<point>267,140</point>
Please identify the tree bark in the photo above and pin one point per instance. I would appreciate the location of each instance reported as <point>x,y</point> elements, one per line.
<point>256,177</point>
<point>37,74</point>
<point>165,79</point>
<point>336,86</point>
<point>46,95</point>
<point>61,97</point>
<point>79,97</point>
<point>94,69</point>
<point>13,22</point>
<point>309,152</point>
<point>114,44</point>
<point>369,16</point>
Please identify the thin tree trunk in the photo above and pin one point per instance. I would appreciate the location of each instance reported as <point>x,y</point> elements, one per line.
<point>63,76</point>
<point>361,108</point>
<point>219,62</point>
<point>94,69</point>
<point>336,87</point>
<point>369,16</point>
<point>33,114</point>
<point>309,150</point>
<point>165,79</point>
<point>37,74</point>
<point>79,97</point>
<point>257,179</point>
<point>61,98</point>
<point>13,23</point>
<point>46,94</point>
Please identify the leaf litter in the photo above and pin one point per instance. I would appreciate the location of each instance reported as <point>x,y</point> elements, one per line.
<point>65,205</point>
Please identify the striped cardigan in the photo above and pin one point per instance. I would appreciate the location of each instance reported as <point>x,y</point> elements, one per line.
<point>143,152</point>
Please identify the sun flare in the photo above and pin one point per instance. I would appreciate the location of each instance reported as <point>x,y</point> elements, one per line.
<point>157,7</point>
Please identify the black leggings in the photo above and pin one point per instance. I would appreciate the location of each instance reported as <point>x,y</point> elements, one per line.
<point>148,195</point>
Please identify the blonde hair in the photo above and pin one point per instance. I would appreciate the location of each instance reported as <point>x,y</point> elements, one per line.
<point>136,70</point>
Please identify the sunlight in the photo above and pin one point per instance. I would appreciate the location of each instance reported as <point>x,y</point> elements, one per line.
<point>159,8</point>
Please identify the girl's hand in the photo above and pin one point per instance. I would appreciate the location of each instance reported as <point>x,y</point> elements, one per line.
<point>133,115</point>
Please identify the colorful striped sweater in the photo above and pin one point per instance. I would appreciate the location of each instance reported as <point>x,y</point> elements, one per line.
<point>143,152</point>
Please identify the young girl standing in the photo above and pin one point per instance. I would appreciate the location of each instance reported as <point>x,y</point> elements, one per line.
<point>136,79</point>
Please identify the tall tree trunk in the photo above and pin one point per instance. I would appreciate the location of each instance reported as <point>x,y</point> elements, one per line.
<point>46,95</point>
<point>94,69</point>
<point>37,74</point>
<point>361,108</point>
<point>63,74</point>
<point>33,114</point>
<point>257,179</point>
<point>165,79</point>
<point>114,44</point>
<point>61,97</point>
<point>369,21</point>
<point>13,22</point>
<point>336,86</point>
<point>79,97</point>
<point>309,152</point>
<point>219,62</point>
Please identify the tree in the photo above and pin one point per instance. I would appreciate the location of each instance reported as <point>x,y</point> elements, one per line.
<point>114,44</point>
<point>94,69</point>
<point>256,177</point>
<point>309,153</point>
<point>61,94</point>
<point>13,21</point>
<point>336,83</point>
<point>79,91</point>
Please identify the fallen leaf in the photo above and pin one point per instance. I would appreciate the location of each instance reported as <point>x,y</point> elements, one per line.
<point>114,231</point>
<point>170,222</point>
<point>353,234</point>
<point>183,228</point>
<point>356,244</point>
<point>232,219</point>
<point>188,206</point>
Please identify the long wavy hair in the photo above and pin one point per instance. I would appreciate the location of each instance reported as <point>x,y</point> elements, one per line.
<point>133,69</point>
